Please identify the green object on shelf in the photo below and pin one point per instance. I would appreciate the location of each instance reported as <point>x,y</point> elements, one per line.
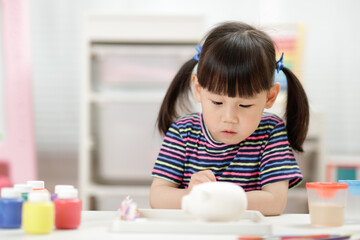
<point>346,174</point>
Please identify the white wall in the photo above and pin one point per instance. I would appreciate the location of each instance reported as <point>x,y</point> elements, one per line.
<point>330,64</point>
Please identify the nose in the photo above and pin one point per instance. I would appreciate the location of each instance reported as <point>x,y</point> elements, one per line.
<point>230,116</point>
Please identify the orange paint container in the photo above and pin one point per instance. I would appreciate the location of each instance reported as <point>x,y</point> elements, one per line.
<point>327,202</point>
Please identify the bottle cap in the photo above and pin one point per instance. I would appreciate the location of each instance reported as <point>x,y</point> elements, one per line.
<point>7,192</point>
<point>326,189</point>
<point>354,186</point>
<point>39,197</point>
<point>36,184</point>
<point>61,187</point>
<point>68,193</point>
<point>23,188</point>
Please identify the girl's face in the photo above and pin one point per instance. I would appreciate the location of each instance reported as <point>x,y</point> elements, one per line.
<point>231,120</point>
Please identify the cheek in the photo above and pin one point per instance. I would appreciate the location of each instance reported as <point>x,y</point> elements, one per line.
<point>211,118</point>
<point>253,119</point>
<point>209,110</point>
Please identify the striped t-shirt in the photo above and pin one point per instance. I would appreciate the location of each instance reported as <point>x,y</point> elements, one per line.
<point>262,158</point>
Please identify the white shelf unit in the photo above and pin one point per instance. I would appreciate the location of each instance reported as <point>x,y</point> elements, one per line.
<point>118,30</point>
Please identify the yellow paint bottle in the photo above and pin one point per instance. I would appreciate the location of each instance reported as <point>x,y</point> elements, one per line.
<point>38,214</point>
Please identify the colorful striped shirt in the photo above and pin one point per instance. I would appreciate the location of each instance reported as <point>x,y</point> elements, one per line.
<point>262,158</point>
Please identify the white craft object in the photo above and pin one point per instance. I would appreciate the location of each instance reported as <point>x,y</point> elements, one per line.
<point>215,201</point>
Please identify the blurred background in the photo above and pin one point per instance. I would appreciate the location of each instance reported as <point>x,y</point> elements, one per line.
<point>92,63</point>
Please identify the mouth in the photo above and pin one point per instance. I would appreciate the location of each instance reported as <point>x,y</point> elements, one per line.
<point>228,133</point>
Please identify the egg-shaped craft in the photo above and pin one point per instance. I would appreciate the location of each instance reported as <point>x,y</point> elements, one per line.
<point>215,201</point>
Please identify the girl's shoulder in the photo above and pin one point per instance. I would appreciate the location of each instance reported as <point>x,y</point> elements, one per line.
<point>190,119</point>
<point>269,124</point>
<point>271,119</point>
<point>188,124</point>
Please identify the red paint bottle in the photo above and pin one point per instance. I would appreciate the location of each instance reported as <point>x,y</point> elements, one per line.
<point>67,209</point>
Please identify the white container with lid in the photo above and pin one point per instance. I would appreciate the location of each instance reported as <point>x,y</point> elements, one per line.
<point>36,184</point>
<point>7,192</point>
<point>23,188</point>
<point>68,193</point>
<point>39,197</point>
<point>58,188</point>
<point>352,211</point>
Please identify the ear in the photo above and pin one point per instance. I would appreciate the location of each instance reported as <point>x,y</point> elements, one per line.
<point>196,87</point>
<point>272,95</point>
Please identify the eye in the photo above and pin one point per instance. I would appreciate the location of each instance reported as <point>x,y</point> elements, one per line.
<point>216,103</point>
<point>245,106</point>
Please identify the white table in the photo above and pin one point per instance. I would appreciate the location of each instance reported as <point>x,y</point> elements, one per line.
<point>96,225</point>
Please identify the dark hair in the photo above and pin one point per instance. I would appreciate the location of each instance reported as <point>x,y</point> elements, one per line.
<point>237,60</point>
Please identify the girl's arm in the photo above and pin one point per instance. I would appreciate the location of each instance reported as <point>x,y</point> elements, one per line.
<point>165,194</point>
<point>271,200</point>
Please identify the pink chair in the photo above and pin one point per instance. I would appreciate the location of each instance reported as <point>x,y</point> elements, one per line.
<point>4,175</point>
<point>17,153</point>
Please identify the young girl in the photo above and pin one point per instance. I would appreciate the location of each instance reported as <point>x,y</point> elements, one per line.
<point>232,140</point>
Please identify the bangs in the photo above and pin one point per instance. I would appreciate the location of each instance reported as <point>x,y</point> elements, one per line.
<point>236,66</point>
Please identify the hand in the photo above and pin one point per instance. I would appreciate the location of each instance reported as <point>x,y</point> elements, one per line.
<point>201,177</point>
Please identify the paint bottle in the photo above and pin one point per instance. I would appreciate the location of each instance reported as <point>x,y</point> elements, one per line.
<point>59,188</point>
<point>10,208</point>
<point>68,209</point>
<point>24,189</point>
<point>37,185</point>
<point>38,213</point>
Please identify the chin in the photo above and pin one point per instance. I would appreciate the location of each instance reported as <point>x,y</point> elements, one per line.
<point>231,142</point>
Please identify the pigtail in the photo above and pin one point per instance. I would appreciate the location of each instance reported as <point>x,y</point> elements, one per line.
<point>297,111</point>
<point>176,96</point>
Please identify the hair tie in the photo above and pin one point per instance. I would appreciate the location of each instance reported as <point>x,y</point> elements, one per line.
<point>198,49</point>
<point>280,63</point>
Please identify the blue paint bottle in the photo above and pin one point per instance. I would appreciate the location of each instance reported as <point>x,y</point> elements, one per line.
<point>10,208</point>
